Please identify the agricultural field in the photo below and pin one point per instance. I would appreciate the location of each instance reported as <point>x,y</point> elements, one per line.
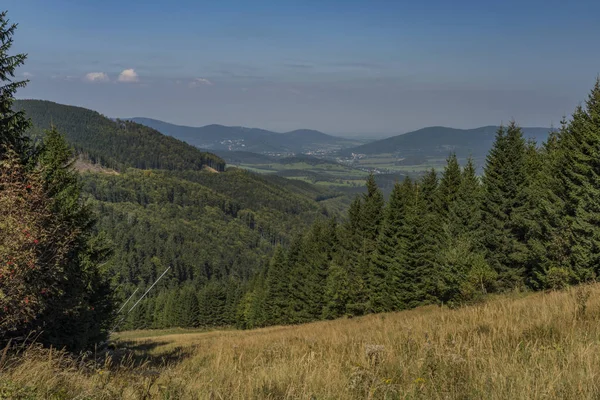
<point>516,346</point>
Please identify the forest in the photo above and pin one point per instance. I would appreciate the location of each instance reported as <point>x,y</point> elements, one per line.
<point>250,251</point>
<point>528,223</point>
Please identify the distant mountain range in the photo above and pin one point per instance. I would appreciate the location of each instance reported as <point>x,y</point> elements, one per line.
<point>237,138</point>
<point>441,140</point>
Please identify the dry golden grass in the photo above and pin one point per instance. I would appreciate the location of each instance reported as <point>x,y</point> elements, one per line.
<point>538,346</point>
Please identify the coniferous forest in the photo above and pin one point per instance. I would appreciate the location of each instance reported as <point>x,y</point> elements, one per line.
<point>251,251</point>
<point>528,223</point>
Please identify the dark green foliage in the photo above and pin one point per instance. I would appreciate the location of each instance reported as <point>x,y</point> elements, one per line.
<point>359,238</point>
<point>77,296</point>
<point>254,251</point>
<point>13,123</point>
<point>449,185</point>
<point>504,182</point>
<point>115,144</point>
<point>80,316</point>
<point>462,254</point>
<point>388,264</point>
<point>577,169</point>
<point>423,244</point>
<point>465,212</point>
<point>277,297</point>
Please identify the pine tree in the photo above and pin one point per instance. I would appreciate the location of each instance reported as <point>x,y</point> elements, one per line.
<point>423,243</point>
<point>337,294</point>
<point>277,296</point>
<point>85,303</point>
<point>13,124</point>
<point>389,257</point>
<point>449,185</point>
<point>307,297</point>
<point>504,183</point>
<point>578,172</point>
<point>188,306</point>
<point>365,240</point>
<point>465,212</point>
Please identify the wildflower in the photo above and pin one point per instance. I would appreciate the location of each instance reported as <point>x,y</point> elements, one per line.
<point>420,381</point>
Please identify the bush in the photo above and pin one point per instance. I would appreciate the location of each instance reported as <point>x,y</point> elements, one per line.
<point>558,278</point>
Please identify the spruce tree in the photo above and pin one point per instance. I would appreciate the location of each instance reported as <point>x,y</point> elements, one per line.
<point>337,294</point>
<point>449,185</point>
<point>84,301</point>
<point>365,240</point>
<point>465,212</point>
<point>277,295</point>
<point>578,171</point>
<point>189,313</point>
<point>504,183</point>
<point>13,124</point>
<point>389,258</point>
<point>545,217</point>
<point>423,244</point>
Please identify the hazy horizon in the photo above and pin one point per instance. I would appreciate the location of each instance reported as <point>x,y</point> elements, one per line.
<point>350,68</point>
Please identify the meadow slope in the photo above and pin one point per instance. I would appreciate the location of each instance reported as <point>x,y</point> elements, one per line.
<point>519,346</point>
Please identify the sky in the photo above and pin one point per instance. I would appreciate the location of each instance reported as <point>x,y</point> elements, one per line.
<point>347,67</point>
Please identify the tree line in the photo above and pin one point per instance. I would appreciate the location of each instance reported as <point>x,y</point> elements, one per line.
<point>530,222</point>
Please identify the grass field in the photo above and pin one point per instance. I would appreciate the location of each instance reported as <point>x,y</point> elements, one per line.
<point>518,346</point>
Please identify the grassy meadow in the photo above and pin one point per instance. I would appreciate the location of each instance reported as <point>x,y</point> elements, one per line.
<point>518,346</point>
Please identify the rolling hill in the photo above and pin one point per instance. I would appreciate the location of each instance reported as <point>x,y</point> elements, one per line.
<point>115,144</point>
<point>439,140</point>
<point>161,206</point>
<point>237,138</point>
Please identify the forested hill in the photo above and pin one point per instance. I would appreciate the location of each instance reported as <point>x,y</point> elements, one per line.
<point>116,144</point>
<point>438,139</point>
<point>161,208</point>
<point>239,138</point>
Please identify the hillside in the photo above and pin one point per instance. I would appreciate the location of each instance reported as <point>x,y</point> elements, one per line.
<point>535,346</point>
<point>237,138</point>
<point>159,207</point>
<point>438,140</point>
<point>115,144</point>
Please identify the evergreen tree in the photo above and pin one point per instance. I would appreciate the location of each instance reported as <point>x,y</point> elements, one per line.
<point>465,212</point>
<point>84,286</point>
<point>389,257</point>
<point>13,124</point>
<point>189,309</point>
<point>504,183</point>
<point>309,274</point>
<point>212,304</point>
<point>423,244</point>
<point>337,293</point>
<point>277,297</point>
<point>449,185</point>
<point>365,240</point>
<point>578,172</point>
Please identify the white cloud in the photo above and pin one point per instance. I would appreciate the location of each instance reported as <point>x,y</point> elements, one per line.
<point>96,77</point>
<point>200,82</point>
<point>128,75</point>
<point>27,75</point>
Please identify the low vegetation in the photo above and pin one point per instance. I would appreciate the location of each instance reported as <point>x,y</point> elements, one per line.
<point>517,346</point>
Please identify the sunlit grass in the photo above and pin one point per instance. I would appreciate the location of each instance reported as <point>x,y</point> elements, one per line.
<point>535,346</point>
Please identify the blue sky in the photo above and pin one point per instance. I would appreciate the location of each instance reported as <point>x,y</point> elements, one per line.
<point>344,67</point>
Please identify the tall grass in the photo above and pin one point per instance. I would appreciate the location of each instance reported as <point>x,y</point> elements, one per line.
<point>539,346</point>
